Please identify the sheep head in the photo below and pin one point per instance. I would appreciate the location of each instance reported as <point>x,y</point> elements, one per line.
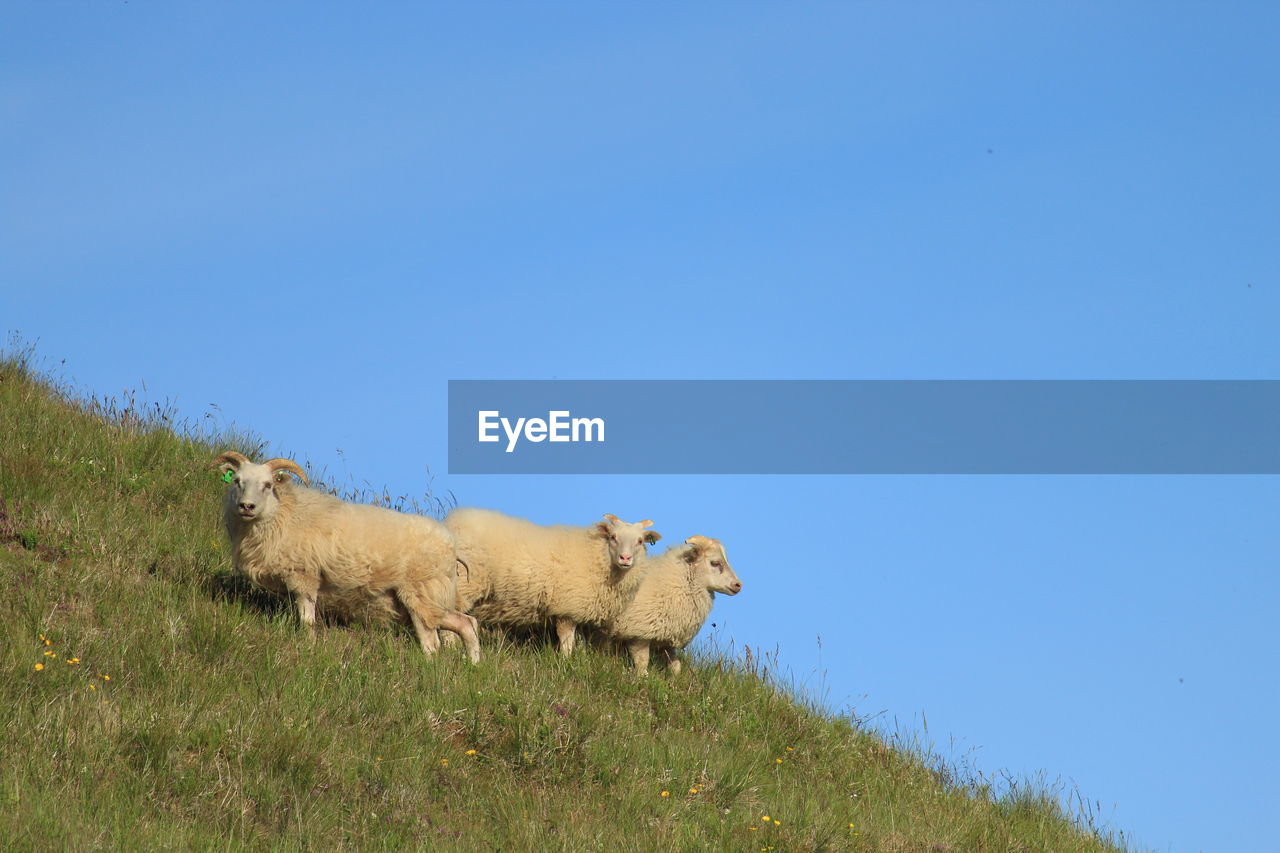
<point>626,541</point>
<point>251,491</point>
<point>709,565</point>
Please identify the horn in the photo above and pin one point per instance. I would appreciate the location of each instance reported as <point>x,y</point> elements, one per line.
<point>613,519</point>
<point>287,465</point>
<point>230,457</point>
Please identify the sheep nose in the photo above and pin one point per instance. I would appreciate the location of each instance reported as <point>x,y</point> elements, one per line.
<point>736,586</point>
<point>246,506</point>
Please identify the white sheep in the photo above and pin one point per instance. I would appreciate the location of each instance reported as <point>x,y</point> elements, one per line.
<point>674,599</point>
<point>312,545</point>
<point>521,573</point>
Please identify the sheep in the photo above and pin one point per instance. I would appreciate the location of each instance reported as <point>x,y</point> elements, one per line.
<point>673,600</point>
<point>312,545</point>
<point>521,573</point>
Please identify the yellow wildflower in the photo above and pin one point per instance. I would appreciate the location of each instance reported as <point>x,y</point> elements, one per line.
<point>444,762</point>
<point>765,818</point>
<point>39,667</point>
<point>693,790</point>
<point>791,749</point>
<point>471,752</point>
<point>51,654</point>
<point>106,678</point>
<point>666,793</point>
<point>73,661</point>
<point>777,761</point>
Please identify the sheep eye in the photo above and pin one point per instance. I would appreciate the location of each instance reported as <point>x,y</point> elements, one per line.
<point>715,563</point>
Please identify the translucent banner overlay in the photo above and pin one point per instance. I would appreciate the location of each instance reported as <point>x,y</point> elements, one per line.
<point>864,427</point>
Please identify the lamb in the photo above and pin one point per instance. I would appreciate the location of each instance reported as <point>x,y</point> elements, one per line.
<point>521,573</point>
<point>674,599</point>
<point>312,545</point>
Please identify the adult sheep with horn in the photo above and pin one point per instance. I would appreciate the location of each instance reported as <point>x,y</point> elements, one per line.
<point>312,545</point>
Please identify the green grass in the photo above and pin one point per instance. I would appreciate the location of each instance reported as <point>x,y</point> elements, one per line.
<point>195,715</point>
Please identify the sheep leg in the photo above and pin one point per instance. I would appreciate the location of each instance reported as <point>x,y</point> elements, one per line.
<point>673,662</point>
<point>428,636</point>
<point>566,633</point>
<point>639,655</point>
<point>304,592</point>
<point>428,617</point>
<point>462,606</point>
<point>466,627</point>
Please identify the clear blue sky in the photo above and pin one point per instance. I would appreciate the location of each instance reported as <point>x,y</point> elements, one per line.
<point>314,215</point>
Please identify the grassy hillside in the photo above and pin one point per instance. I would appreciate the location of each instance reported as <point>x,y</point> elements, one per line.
<point>151,700</point>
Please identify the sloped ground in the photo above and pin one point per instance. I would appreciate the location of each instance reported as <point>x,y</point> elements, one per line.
<point>152,700</point>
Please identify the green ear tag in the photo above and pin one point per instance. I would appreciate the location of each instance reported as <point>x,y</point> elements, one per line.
<point>227,476</point>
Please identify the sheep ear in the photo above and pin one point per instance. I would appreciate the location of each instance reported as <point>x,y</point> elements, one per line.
<point>700,542</point>
<point>613,519</point>
<point>602,527</point>
<point>652,536</point>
